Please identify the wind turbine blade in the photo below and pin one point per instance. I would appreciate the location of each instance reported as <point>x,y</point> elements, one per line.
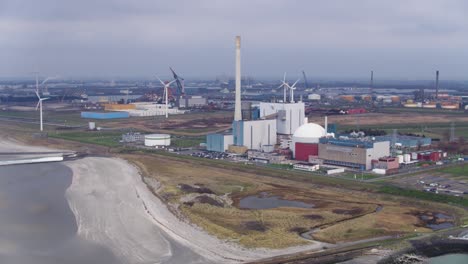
<point>45,98</point>
<point>45,80</point>
<point>284,77</point>
<point>169,83</point>
<point>37,94</point>
<point>37,106</point>
<point>296,82</point>
<point>160,81</point>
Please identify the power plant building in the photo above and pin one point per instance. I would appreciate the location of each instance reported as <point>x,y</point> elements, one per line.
<point>353,153</point>
<point>305,141</point>
<point>289,116</point>
<point>254,134</point>
<point>218,142</point>
<point>407,141</point>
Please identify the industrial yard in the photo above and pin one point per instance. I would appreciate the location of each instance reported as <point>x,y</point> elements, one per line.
<point>449,181</point>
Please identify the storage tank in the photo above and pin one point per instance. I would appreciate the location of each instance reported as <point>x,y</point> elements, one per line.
<point>153,140</point>
<point>349,98</point>
<point>450,106</point>
<point>429,105</point>
<point>407,158</point>
<point>414,156</point>
<point>366,97</point>
<point>313,97</point>
<point>400,159</point>
<point>92,125</point>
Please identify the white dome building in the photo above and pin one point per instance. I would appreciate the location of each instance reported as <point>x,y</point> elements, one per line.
<point>305,141</point>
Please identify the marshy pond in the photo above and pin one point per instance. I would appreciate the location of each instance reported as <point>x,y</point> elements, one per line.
<point>267,201</point>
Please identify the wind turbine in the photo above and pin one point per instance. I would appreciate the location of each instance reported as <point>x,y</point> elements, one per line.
<point>292,88</point>
<point>39,105</point>
<point>166,85</point>
<point>285,85</point>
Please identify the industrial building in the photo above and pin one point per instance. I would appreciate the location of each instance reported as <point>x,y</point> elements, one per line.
<point>157,140</point>
<point>118,107</point>
<point>407,141</point>
<point>254,134</point>
<point>218,142</point>
<point>192,101</point>
<point>356,153</point>
<point>265,157</point>
<point>109,115</point>
<point>304,166</point>
<point>289,116</point>
<point>151,109</point>
<point>133,137</point>
<point>305,141</point>
<point>386,165</point>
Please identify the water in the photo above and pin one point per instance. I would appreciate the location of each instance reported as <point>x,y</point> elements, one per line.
<point>440,226</point>
<point>267,202</point>
<point>36,223</point>
<point>450,259</point>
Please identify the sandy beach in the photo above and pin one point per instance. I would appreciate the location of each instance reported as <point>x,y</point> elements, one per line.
<point>114,208</point>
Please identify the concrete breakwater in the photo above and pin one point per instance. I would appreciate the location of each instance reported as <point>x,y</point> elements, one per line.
<point>31,158</point>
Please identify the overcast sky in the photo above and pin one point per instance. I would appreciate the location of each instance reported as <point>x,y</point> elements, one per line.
<point>398,39</point>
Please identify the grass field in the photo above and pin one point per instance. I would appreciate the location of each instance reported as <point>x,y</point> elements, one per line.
<point>417,194</point>
<point>336,207</point>
<point>108,139</point>
<point>186,142</point>
<point>358,176</point>
<point>456,170</point>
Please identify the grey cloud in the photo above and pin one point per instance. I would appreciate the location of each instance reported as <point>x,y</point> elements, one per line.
<point>330,38</point>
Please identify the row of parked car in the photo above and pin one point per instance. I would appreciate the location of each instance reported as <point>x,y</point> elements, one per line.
<point>210,155</point>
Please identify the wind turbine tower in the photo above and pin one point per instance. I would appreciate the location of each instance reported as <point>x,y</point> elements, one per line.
<point>166,86</point>
<point>292,88</point>
<point>284,85</point>
<point>39,105</point>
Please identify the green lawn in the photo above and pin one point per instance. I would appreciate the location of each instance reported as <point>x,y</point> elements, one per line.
<point>109,139</point>
<point>359,176</point>
<point>187,142</point>
<point>442,198</point>
<point>461,170</point>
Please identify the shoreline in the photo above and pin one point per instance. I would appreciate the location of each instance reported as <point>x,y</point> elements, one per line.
<point>89,194</point>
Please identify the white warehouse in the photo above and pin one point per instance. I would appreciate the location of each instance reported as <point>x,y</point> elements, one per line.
<point>289,116</point>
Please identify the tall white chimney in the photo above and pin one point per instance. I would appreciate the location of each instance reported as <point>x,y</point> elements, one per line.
<point>237,111</point>
<point>326,125</point>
